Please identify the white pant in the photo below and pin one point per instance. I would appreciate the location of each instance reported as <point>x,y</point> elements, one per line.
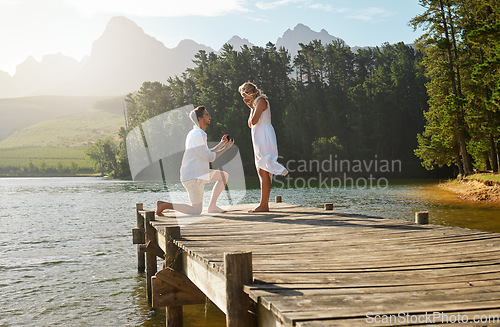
<point>195,188</point>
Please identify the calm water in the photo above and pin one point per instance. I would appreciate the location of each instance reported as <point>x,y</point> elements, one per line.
<point>67,258</point>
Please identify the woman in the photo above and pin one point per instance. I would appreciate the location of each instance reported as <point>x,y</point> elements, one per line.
<point>265,147</point>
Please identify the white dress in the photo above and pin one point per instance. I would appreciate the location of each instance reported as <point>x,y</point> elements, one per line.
<point>265,147</point>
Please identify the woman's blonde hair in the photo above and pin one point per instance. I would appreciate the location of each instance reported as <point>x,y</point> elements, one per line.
<point>251,89</point>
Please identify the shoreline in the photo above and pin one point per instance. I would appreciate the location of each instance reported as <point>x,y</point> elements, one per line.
<point>473,189</point>
<point>50,175</point>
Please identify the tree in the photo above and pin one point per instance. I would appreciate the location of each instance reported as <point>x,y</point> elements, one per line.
<point>442,22</point>
<point>482,41</point>
<point>102,154</point>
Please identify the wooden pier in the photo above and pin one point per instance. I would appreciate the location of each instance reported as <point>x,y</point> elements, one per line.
<point>308,267</point>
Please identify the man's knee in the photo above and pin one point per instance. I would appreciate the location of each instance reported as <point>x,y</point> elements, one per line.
<point>197,208</point>
<point>220,176</point>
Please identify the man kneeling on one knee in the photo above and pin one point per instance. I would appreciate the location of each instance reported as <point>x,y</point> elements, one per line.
<point>195,168</point>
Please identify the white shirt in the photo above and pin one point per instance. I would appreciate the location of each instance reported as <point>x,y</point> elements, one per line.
<point>196,159</point>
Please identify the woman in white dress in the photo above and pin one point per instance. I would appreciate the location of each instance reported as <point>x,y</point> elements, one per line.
<point>265,147</point>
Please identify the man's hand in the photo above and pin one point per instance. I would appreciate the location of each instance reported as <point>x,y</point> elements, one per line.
<point>225,143</point>
<point>223,148</point>
<point>226,138</point>
<point>229,144</point>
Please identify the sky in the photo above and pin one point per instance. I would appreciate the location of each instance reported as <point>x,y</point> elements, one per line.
<point>36,28</point>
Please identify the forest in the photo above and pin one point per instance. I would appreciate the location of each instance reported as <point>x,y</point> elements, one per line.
<point>433,106</point>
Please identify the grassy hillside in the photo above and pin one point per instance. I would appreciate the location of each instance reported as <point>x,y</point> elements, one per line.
<point>19,113</point>
<point>51,157</point>
<point>57,144</point>
<point>71,131</point>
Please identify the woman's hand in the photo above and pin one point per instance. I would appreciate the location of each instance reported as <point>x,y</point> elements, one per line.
<point>250,119</point>
<point>248,102</point>
<point>257,112</point>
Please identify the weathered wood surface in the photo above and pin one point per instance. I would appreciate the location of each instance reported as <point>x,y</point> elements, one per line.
<point>313,267</point>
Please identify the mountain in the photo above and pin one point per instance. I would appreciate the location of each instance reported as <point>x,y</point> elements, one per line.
<point>38,77</point>
<point>302,34</point>
<point>5,84</point>
<point>237,42</point>
<point>121,59</point>
<point>124,57</point>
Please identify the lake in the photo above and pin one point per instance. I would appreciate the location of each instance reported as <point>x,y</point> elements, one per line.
<point>67,258</point>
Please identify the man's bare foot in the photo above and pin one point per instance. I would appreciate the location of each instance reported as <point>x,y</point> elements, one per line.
<point>260,209</point>
<point>215,209</point>
<point>162,205</point>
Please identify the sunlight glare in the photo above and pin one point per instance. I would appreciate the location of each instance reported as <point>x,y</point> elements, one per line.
<point>158,8</point>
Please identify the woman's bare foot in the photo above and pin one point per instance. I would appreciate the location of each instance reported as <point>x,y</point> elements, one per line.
<point>162,205</point>
<point>215,209</point>
<point>260,208</point>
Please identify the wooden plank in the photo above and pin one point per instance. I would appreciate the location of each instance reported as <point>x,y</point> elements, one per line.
<point>317,308</point>
<point>209,280</point>
<point>377,279</point>
<point>275,232</point>
<point>340,248</point>
<point>343,256</point>
<point>319,267</point>
<point>367,262</point>
<point>173,290</point>
<point>324,233</point>
<point>487,317</point>
<point>266,317</point>
<point>351,257</point>
<point>421,262</point>
<point>268,266</point>
<point>491,279</point>
<point>257,291</point>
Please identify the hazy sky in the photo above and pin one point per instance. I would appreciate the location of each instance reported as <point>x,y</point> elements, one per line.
<point>38,27</point>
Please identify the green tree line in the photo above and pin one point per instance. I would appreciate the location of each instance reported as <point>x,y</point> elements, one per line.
<point>326,101</point>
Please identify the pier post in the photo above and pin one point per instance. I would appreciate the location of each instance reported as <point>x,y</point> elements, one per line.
<point>238,272</point>
<point>277,199</point>
<point>328,206</point>
<point>173,260</point>
<point>151,263</point>
<point>422,217</point>
<point>141,262</point>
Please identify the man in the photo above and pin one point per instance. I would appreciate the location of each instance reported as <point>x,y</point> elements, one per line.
<point>195,169</point>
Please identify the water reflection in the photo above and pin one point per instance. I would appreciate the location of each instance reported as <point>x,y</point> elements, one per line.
<point>400,201</point>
